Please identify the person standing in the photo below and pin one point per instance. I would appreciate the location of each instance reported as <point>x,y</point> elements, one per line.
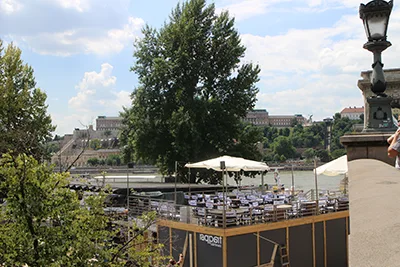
<point>394,147</point>
<point>172,262</point>
<point>277,178</point>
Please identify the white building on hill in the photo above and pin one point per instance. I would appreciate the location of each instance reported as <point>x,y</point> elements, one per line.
<point>353,113</point>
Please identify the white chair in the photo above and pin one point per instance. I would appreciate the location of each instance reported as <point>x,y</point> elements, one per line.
<point>202,218</point>
<point>209,205</point>
<point>231,218</point>
<point>244,202</point>
<point>192,202</point>
<point>164,210</point>
<point>268,213</point>
<point>279,202</point>
<point>154,205</point>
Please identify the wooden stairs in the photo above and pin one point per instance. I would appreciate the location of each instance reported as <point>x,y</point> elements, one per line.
<point>284,256</point>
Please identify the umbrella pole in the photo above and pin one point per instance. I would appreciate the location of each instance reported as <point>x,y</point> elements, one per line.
<point>262,183</point>
<point>292,181</point>
<point>316,185</point>
<point>225,197</point>
<point>176,173</point>
<point>190,194</point>
<point>238,180</point>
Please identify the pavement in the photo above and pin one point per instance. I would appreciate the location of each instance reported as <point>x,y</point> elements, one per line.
<point>374,193</point>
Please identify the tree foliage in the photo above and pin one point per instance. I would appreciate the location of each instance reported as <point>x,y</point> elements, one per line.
<point>93,161</point>
<point>310,140</point>
<point>284,147</point>
<point>44,223</point>
<point>95,144</point>
<point>25,126</point>
<point>340,127</point>
<point>192,90</point>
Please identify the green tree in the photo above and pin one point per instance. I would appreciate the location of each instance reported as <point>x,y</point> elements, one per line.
<point>95,144</point>
<point>323,155</point>
<point>270,133</point>
<point>52,148</point>
<point>309,153</point>
<point>45,224</point>
<point>338,153</point>
<point>293,122</point>
<point>249,144</point>
<point>107,133</point>
<point>25,126</point>
<point>113,160</point>
<point>193,90</point>
<point>340,127</point>
<point>286,132</point>
<point>283,146</point>
<point>93,161</point>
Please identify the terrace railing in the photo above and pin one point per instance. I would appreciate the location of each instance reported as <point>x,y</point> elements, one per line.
<point>213,214</point>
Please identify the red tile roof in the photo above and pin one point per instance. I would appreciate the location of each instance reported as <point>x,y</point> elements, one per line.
<point>353,110</point>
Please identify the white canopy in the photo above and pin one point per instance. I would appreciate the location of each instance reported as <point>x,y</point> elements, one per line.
<point>231,164</point>
<point>334,167</point>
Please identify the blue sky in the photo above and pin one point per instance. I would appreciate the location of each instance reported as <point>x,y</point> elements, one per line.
<point>310,51</point>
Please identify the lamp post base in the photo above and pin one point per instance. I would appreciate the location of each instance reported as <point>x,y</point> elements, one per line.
<point>380,117</point>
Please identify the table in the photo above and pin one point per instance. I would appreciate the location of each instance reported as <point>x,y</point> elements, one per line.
<point>232,219</point>
<point>280,211</point>
<point>308,208</point>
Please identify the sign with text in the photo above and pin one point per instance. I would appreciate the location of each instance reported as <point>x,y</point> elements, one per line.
<point>212,240</point>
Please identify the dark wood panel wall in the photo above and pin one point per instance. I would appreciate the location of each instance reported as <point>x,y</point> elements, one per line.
<point>310,243</point>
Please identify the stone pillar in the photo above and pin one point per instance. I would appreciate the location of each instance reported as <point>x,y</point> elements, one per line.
<point>372,145</point>
<point>392,77</point>
<point>367,146</point>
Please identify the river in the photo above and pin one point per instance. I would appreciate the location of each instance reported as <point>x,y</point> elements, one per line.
<point>303,180</point>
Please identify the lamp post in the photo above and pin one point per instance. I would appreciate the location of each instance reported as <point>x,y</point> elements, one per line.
<point>375,16</point>
<point>328,124</point>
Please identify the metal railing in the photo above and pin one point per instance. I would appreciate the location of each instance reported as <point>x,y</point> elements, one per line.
<point>216,216</point>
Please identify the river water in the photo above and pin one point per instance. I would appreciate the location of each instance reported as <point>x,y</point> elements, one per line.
<point>303,180</point>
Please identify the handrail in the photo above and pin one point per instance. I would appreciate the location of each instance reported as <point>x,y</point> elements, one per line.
<point>213,217</point>
<point>266,239</point>
<point>276,245</point>
<point>274,255</point>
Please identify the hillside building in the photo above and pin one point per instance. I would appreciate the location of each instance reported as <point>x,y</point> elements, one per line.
<point>353,113</point>
<point>260,117</point>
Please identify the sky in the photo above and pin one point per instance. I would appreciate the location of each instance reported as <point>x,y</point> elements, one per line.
<point>310,52</point>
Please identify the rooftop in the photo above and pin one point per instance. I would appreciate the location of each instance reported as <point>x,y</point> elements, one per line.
<point>353,110</point>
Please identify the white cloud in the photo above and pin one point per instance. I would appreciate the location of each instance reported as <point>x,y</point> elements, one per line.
<point>78,41</point>
<point>96,95</point>
<point>68,27</point>
<point>313,3</point>
<point>78,5</point>
<point>242,10</point>
<point>10,6</point>
<point>320,97</point>
<point>315,71</point>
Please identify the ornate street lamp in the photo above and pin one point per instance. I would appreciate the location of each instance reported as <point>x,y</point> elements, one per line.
<point>375,16</point>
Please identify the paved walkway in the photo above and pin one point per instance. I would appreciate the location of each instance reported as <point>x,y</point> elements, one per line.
<point>374,191</point>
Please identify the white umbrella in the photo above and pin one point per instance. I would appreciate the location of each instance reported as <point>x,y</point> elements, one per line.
<point>231,164</point>
<point>334,167</point>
